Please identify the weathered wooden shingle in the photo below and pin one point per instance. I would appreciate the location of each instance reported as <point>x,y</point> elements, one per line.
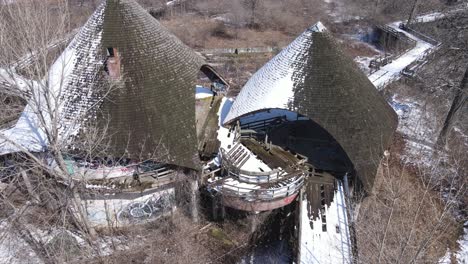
<point>154,110</point>
<point>151,112</point>
<point>314,77</point>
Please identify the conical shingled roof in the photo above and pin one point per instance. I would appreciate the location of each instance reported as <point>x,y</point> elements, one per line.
<point>313,77</point>
<point>155,109</point>
<point>152,109</point>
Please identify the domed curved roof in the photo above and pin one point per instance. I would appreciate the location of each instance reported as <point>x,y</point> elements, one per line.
<point>313,77</point>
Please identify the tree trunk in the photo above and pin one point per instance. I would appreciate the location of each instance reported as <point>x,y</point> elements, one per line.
<point>29,186</point>
<point>458,101</point>
<point>413,12</point>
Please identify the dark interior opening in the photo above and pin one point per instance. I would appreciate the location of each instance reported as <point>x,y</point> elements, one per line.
<point>311,140</point>
<point>209,78</point>
<point>112,63</point>
<point>110,52</point>
<point>299,134</point>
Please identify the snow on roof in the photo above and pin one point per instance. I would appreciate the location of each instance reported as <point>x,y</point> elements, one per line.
<point>315,78</point>
<point>153,110</point>
<point>25,135</point>
<point>334,244</point>
<point>16,84</point>
<point>319,27</point>
<point>71,76</point>
<point>253,163</point>
<point>273,85</point>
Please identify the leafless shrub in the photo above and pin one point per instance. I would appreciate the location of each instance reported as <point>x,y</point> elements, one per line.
<point>407,220</point>
<point>385,11</point>
<point>221,31</point>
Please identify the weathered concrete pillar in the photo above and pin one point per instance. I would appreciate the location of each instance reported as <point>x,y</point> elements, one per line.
<point>253,223</point>
<point>194,200</point>
<point>214,208</point>
<point>218,209</point>
<point>223,209</point>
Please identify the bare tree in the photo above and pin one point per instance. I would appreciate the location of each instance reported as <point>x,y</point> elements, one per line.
<point>413,11</point>
<point>252,5</point>
<point>406,221</point>
<point>459,100</point>
<point>27,31</point>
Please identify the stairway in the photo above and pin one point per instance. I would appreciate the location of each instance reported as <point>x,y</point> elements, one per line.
<point>238,155</point>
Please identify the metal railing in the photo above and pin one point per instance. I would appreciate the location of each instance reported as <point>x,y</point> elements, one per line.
<point>265,194</point>
<point>250,176</point>
<point>262,124</point>
<point>398,34</point>
<point>421,36</point>
<point>428,55</point>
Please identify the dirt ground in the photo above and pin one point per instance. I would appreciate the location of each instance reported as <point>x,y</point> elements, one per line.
<point>179,240</point>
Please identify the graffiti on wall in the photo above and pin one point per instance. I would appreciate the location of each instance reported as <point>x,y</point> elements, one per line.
<point>150,208</point>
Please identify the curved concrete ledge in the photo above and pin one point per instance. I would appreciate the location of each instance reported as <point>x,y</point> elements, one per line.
<point>257,205</point>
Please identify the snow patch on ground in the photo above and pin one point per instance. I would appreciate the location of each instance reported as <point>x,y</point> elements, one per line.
<point>338,11</point>
<point>7,2</point>
<point>363,63</point>
<point>462,254</point>
<point>202,92</point>
<point>418,125</point>
<point>415,120</point>
<point>13,249</point>
<point>446,259</point>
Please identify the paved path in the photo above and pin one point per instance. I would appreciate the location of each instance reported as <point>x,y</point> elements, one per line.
<point>392,71</point>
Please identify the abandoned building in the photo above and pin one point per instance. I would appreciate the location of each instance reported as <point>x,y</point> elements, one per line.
<point>307,111</point>
<point>124,74</point>
<point>308,127</point>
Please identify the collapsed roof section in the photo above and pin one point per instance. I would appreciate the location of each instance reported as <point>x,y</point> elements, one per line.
<point>150,108</point>
<point>313,77</point>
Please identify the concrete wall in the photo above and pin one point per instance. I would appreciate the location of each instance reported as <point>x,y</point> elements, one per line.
<point>129,208</point>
